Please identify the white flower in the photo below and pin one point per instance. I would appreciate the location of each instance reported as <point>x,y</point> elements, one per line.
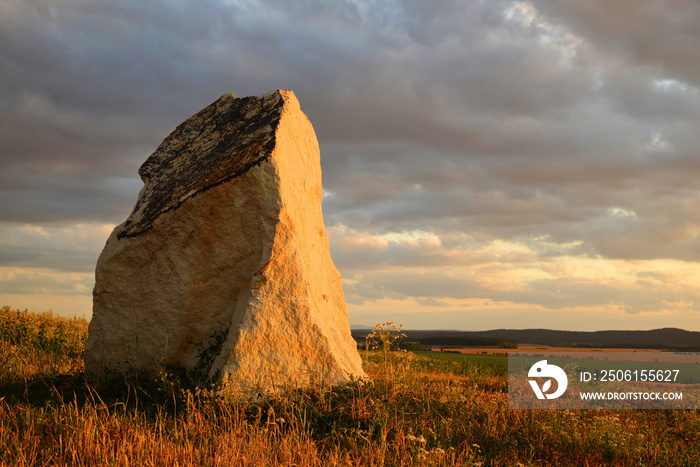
<point>415,439</point>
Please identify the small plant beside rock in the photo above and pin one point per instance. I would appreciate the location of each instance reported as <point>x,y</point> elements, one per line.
<point>384,337</point>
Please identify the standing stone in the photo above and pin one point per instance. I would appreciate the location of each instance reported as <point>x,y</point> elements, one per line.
<point>223,268</point>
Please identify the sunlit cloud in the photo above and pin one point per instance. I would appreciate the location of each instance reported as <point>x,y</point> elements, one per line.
<point>533,274</point>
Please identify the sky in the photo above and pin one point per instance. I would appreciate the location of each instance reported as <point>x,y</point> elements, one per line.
<point>486,164</point>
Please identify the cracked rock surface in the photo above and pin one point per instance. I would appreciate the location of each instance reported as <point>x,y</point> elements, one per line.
<point>223,269</point>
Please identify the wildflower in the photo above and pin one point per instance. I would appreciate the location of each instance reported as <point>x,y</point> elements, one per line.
<point>415,439</point>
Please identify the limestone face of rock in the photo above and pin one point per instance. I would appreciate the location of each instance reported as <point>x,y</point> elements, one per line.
<point>223,268</point>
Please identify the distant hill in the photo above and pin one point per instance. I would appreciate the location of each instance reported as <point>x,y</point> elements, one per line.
<point>666,338</point>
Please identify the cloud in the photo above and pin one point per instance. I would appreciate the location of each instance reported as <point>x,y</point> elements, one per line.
<point>647,33</point>
<point>61,248</point>
<point>29,281</point>
<point>534,273</point>
<point>504,137</point>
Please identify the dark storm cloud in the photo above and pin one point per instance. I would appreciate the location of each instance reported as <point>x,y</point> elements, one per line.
<point>651,33</point>
<point>62,248</point>
<point>486,87</point>
<point>573,122</point>
<point>80,90</point>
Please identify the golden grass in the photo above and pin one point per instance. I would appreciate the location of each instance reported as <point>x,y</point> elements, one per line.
<point>414,412</point>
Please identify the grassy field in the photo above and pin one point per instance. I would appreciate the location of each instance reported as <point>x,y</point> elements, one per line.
<point>417,410</point>
<point>495,361</point>
<point>689,374</point>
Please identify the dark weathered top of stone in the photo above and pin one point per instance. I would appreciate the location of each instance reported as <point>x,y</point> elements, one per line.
<point>221,142</point>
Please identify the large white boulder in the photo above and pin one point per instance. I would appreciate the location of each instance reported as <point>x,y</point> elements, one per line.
<point>223,270</point>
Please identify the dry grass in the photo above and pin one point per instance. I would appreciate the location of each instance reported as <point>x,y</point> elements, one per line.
<point>416,411</point>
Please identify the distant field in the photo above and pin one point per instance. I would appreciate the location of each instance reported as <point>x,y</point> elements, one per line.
<point>536,348</point>
<point>666,338</point>
<point>475,350</point>
<point>605,358</point>
<point>477,359</point>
